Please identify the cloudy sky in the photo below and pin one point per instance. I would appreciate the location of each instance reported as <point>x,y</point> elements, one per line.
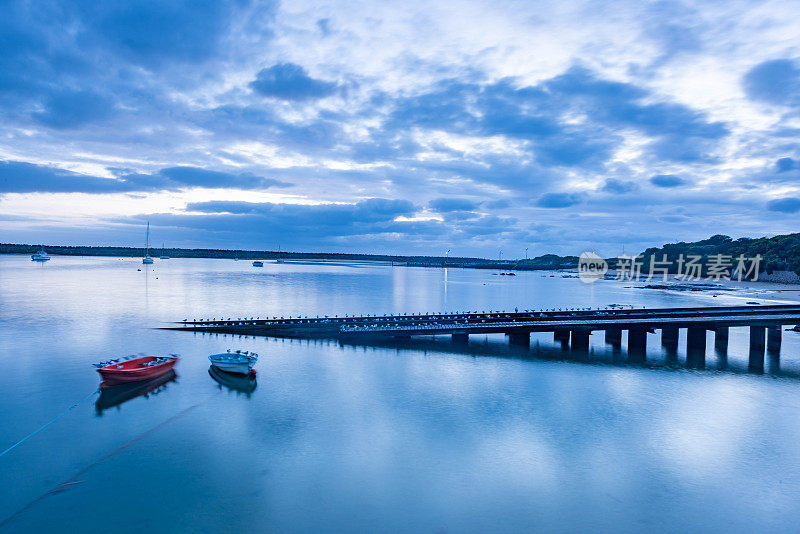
<point>400,127</point>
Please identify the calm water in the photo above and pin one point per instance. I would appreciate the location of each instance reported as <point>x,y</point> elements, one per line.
<point>421,438</point>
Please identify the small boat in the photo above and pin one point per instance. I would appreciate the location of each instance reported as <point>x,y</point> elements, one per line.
<point>40,256</point>
<point>163,256</point>
<point>147,260</point>
<point>120,371</point>
<point>258,263</point>
<point>240,362</point>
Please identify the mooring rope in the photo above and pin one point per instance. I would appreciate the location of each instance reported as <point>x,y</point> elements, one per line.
<point>50,422</point>
<point>73,479</point>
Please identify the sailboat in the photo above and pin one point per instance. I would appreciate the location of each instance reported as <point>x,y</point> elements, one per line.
<point>147,260</point>
<point>163,256</point>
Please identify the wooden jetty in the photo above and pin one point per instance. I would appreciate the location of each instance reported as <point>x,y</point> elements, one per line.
<point>571,327</point>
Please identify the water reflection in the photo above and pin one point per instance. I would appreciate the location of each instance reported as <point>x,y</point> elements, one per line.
<point>666,359</point>
<point>111,396</point>
<point>234,382</point>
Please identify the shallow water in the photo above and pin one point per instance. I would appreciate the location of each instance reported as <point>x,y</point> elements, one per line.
<point>419,437</point>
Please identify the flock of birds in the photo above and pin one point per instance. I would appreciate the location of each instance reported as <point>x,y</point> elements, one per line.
<point>516,310</point>
<point>126,358</point>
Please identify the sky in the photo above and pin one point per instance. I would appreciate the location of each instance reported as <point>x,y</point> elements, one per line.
<point>479,127</point>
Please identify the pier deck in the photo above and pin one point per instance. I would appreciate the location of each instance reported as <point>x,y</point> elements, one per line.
<point>569,326</point>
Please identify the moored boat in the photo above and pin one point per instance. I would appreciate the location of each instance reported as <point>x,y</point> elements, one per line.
<point>258,263</point>
<point>120,371</point>
<point>240,362</point>
<point>147,260</point>
<point>40,256</point>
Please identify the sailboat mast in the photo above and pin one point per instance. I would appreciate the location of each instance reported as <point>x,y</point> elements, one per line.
<point>147,241</point>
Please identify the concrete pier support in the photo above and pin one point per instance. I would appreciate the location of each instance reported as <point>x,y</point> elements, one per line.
<point>561,335</point>
<point>669,336</point>
<point>696,346</point>
<point>614,336</point>
<point>580,340</point>
<point>522,339</point>
<point>637,344</point>
<point>774,334</point>
<point>721,339</point>
<point>461,339</point>
<point>757,335</point>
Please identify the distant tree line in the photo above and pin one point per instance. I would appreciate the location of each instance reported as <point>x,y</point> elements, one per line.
<point>779,253</point>
<point>549,261</point>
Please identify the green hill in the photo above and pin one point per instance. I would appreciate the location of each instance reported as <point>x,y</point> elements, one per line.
<point>779,253</point>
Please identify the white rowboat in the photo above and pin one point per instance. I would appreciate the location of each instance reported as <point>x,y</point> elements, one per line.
<point>235,362</point>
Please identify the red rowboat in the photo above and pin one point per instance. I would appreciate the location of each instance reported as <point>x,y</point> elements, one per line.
<point>143,368</point>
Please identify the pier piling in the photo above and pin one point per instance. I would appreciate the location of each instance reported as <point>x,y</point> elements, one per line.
<point>521,339</point>
<point>669,336</point>
<point>637,344</point>
<point>721,339</point>
<point>614,336</point>
<point>561,335</point>
<point>774,335</point>
<point>580,340</point>
<point>757,335</point>
<point>461,339</point>
<point>696,346</point>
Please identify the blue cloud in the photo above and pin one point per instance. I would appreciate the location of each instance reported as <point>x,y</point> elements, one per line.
<point>298,222</point>
<point>324,26</point>
<point>71,109</point>
<point>784,205</point>
<point>539,114</point>
<point>558,200</point>
<point>287,81</point>
<point>775,82</point>
<point>619,187</point>
<point>370,221</point>
<point>667,180</point>
<point>152,31</point>
<point>445,205</point>
<point>21,177</point>
<point>786,164</point>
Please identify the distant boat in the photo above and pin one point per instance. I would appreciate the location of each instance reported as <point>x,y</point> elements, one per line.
<point>279,259</point>
<point>235,362</point>
<point>163,256</point>
<point>258,263</point>
<point>40,256</point>
<point>147,260</point>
